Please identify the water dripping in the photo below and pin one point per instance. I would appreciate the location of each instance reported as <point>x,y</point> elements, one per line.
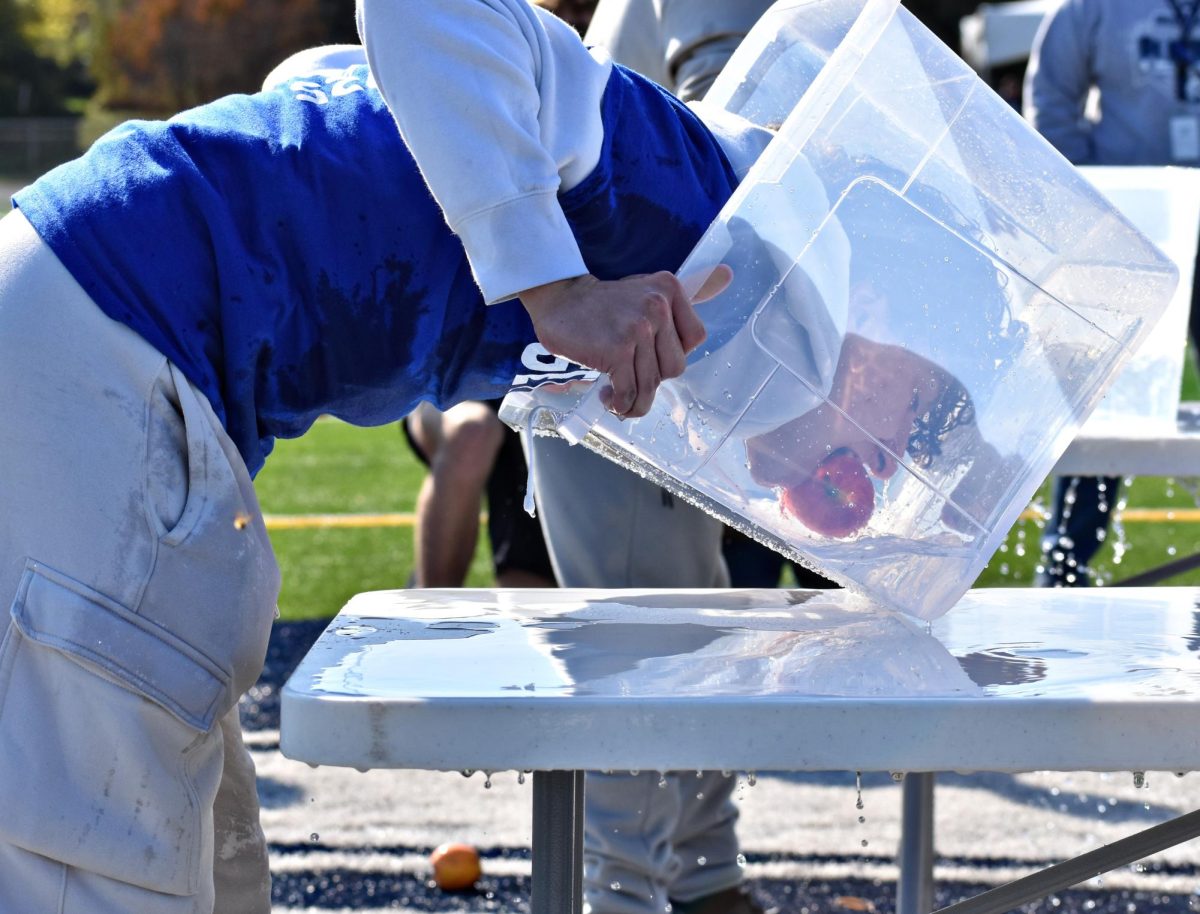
<point>1139,779</point>
<point>314,837</point>
<point>1121,546</point>
<point>662,779</point>
<point>897,776</point>
<point>741,860</point>
<point>701,860</point>
<point>751,778</point>
<point>520,777</point>
<point>487,780</point>
<point>530,504</point>
<point>858,801</point>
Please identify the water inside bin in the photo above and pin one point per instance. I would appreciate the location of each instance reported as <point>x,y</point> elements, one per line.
<point>926,301</point>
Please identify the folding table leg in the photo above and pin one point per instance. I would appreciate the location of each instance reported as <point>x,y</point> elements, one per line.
<point>557,843</point>
<point>914,891</point>
<point>1080,869</point>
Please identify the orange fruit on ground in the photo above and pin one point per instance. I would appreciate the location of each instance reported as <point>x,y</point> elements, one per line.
<point>455,867</point>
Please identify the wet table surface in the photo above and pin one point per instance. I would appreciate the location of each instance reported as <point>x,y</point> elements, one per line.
<point>1008,680</point>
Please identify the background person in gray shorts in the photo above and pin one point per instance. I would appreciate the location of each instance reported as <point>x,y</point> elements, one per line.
<point>650,841</point>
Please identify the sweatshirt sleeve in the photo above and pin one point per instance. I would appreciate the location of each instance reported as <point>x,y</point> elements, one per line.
<point>499,103</point>
<point>1059,79</point>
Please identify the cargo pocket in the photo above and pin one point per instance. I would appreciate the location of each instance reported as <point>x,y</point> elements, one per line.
<point>108,757</point>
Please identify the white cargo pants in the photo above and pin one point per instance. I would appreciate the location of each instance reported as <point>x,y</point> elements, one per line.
<point>138,588</point>
<point>648,838</point>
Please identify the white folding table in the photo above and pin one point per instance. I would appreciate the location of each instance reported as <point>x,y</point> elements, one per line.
<point>562,681</point>
<point>1138,450</point>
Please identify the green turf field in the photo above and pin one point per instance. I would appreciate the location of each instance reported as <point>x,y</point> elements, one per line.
<point>339,469</point>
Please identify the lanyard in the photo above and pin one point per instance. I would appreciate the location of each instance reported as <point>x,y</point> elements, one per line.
<point>1182,50</point>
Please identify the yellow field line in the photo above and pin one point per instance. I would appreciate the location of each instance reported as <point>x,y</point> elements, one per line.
<point>400,519</point>
<point>316,521</point>
<point>1137,515</point>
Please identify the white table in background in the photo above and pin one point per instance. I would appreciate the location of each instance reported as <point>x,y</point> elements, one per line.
<point>564,681</point>
<point>1138,450</point>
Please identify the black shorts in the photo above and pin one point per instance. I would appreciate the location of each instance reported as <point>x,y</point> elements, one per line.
<point>516,538</point>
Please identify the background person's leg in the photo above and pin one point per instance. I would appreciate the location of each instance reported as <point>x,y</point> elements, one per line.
<point>606,527</point>
<point>519,554</point>
<point>705,838</point>
<point>1078,525</point>
<point>460,446</point>
<point>629,856</point>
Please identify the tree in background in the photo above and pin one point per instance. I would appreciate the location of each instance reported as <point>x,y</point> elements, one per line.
<point>160,56</point>
<point>31,81</point>
<point>166,55</point>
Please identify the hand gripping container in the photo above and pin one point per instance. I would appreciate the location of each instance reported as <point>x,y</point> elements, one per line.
<point>1164,203</point>
<point>927,301</point>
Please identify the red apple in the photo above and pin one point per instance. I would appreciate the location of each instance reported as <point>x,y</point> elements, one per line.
<point>836,500</point>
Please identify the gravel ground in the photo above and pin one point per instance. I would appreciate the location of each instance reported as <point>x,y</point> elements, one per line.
<point>346,841</point>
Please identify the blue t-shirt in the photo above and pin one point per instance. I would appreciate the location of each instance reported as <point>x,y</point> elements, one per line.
<point>283,250</point>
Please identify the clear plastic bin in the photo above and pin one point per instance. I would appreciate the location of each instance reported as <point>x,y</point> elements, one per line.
<point>927,301</point>
<point>1164,203</point>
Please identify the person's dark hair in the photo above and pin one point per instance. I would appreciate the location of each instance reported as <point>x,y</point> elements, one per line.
<point>954,408</point>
